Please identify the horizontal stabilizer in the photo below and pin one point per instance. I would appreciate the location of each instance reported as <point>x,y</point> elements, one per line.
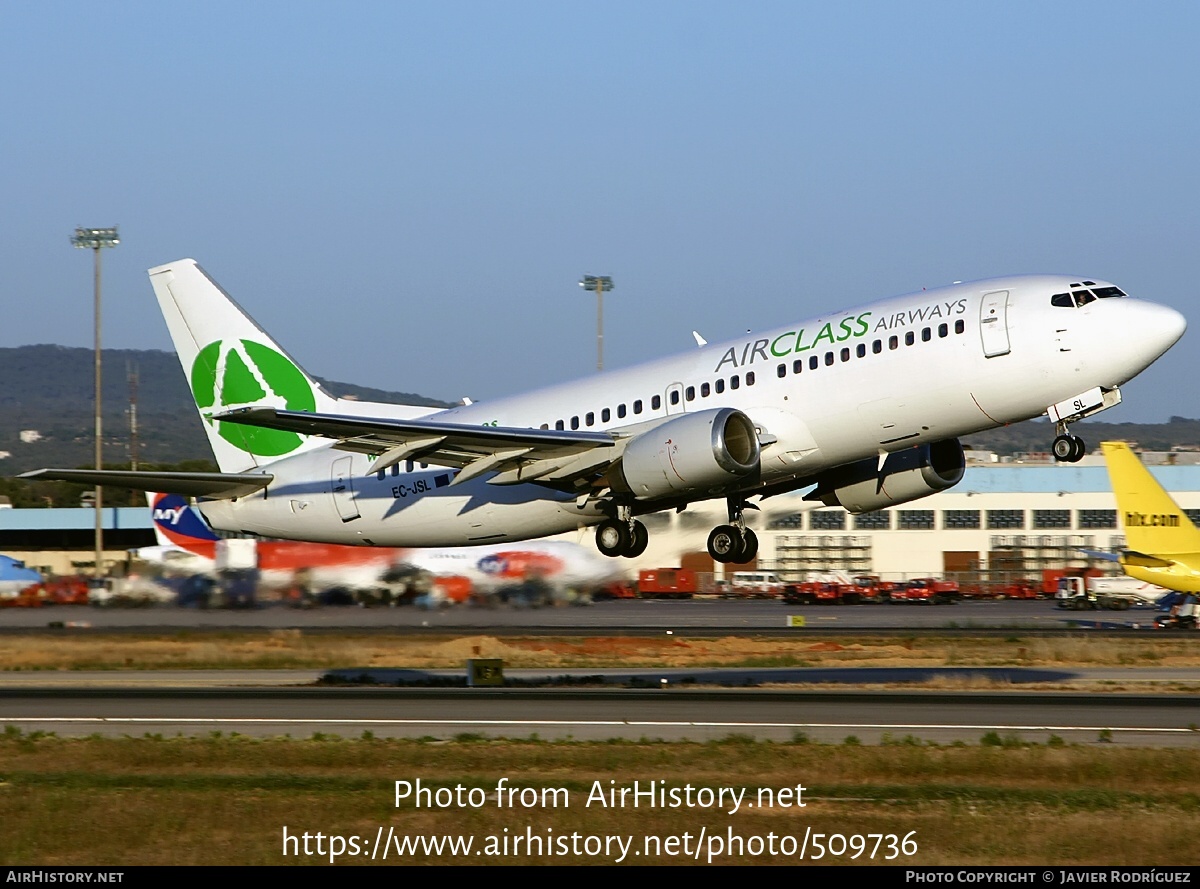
<point>1143,560</point>
<point>217,485</point>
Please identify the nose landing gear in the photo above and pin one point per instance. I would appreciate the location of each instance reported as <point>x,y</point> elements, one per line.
<point>1068,448</point>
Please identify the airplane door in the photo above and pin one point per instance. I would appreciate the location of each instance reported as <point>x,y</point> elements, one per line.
<point>343,489</point>
<point>993,323</point>
<point>674,399</point>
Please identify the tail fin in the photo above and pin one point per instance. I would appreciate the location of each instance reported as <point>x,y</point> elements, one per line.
<point>1153,522</point>
<point>229,362</point>
<point>178,524</point>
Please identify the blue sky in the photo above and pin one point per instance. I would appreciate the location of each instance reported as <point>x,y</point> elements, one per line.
<point>406,194</point>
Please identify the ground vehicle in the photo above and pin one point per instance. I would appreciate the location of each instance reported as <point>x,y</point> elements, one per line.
<point>1080,592</point>
<point>928,591</point>
<point>667,583</point>
<point>814,592</point>
<point>869,588</point>
<point>753,585</point>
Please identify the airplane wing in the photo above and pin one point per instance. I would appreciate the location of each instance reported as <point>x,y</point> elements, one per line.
<point>217,485</point>
<point>552,457</point>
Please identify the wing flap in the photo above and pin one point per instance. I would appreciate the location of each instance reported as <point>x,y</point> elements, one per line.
<point>474,449</point>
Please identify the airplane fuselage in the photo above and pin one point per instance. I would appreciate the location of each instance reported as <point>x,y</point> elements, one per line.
<point>854,385</point>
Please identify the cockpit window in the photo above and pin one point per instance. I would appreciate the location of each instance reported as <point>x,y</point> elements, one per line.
<point>1083,297</point>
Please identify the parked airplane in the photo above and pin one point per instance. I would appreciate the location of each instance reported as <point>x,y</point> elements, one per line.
<point>15,578</point>
<point>866,404</point>
<point>186,545</point>
<point>1164,545</point>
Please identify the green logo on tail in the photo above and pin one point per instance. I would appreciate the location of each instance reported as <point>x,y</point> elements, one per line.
<point>230,374</point>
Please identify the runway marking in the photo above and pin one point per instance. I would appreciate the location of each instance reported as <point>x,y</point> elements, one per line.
<point>533,723</point>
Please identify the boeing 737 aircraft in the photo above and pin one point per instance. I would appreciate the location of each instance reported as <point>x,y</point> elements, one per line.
<point>1164,545</point>
<point>867,404</point>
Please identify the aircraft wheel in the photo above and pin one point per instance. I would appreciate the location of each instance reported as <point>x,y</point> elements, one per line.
<point>639,540</point>
<point>1080,449</point>
<point>612,537</point>
<point>724,543</point>
<point>1064,448</point>
<point>748,549</point>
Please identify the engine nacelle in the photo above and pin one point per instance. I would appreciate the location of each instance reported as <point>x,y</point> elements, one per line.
<point>700,452</point>
<point>907,475</point>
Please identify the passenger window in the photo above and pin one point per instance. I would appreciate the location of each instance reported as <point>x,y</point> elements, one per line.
<point>813,362</point>
<point>395,469</point>
<point>690,393</point>
<point>544,426</point>
<point>845,354</point>
<point>704,390</point>
<point>720,386</point>
<point>943,330</point>
<point>749,378</point>
<point>910,338</point>
<point>605,415</point>
<point>877,346</point>
<point>828,358</point>
<point>559,425</point>
<point>574,422</point>
<point>735,381</point>
<point>781,371</point>
<point>797,365</point>
<point>674,396</point>
<point>893,342</point>
<point>590,419</point>
<point>861,350</point>
<point>621,411</point>
<point>656,403</point>
<point>960,326</point>
<point>637,406</point>
<point>926,334</point>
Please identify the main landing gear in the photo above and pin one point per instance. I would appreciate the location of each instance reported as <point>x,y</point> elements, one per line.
<point>1068,448</point>
<point>734,542</point>
<point>622,536</point>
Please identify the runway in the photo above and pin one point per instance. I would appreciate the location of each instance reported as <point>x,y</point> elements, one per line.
<point>872,717</point>
<point>673,704</point>
<point>627,615</point>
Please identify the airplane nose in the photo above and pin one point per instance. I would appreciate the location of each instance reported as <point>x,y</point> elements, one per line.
<point>1154,328</point>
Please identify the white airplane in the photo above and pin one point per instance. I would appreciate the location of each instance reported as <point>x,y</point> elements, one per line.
<point>867,404</point>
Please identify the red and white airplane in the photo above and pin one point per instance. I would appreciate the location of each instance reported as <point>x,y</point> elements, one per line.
<point>187,545</point>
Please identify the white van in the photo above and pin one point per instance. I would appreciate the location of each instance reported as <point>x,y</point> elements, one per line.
<point>754,584</point>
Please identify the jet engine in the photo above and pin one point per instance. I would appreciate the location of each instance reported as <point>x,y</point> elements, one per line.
<point>704,451</point>
<point>905,475</point>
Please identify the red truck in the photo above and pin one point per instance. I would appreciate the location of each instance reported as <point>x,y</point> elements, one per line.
<point>927,591</point>
<point>667,583</point>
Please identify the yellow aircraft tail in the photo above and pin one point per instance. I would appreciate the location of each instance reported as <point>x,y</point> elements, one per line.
<point>1153,522</point>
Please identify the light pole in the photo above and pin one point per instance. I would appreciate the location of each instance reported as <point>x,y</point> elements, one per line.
<point>95,238</point>
<point>598,283</point>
